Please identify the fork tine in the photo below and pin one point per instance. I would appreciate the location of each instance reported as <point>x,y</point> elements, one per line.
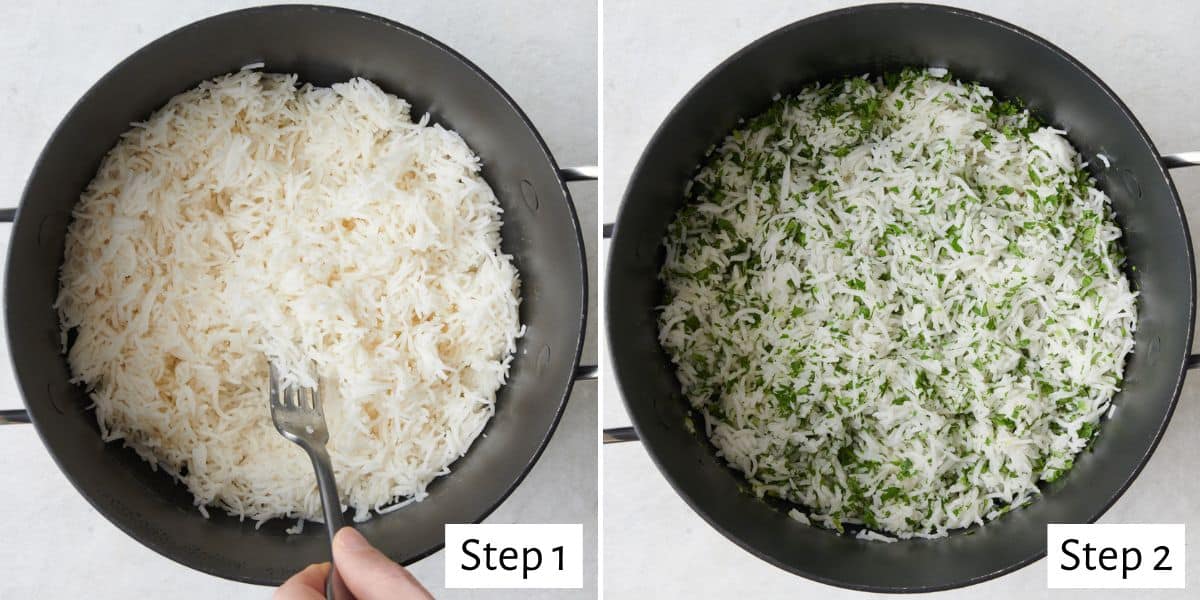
<point>316,391</point>
<point>274,386</point>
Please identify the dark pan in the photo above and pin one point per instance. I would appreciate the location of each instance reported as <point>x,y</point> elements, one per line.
<point>323,45</point>
<point>1014,63</point>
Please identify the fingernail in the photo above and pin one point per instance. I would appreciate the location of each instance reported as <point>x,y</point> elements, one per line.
<point>351,539</point>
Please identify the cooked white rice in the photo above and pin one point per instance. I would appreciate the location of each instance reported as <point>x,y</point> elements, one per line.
<point>250,218</point>
<point>898,303</point>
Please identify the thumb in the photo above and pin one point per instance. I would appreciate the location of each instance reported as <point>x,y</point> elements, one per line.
<point>369,574</point>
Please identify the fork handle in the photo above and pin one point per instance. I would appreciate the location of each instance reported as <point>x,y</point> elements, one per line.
<point>335,587</point>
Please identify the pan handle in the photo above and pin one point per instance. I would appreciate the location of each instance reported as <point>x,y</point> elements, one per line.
<point>616,435</point>
<point>11,417</point>
<point>1175,161</point>
<point>14,417</point>
<point>584,173</point>
<point>1180,159</point>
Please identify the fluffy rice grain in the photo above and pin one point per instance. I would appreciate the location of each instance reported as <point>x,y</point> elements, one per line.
<point>252,217</point>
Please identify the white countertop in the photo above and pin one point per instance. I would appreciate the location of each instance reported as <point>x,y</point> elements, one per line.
<point>654,545</point>
<point>54,545</point>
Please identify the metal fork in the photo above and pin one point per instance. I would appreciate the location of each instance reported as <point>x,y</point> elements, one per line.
<point>298,416</point>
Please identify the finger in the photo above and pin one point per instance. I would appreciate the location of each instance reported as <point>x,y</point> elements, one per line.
<point>308,584</point>
<point>370,574</point>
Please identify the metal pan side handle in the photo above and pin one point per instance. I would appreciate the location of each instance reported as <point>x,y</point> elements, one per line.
<point>584,173</point>
<point>1176,161</point>
<point>616,435</point>
<point>1181,159</point>
<point>16,416</point>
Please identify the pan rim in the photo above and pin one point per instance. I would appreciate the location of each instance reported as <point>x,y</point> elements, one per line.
<point>731,62</point>
<point>579,334</point>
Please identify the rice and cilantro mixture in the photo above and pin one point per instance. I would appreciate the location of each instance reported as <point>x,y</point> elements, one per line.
<point>898,303</point>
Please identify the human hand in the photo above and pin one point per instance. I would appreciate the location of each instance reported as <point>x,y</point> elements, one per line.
<point>366,571</point>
